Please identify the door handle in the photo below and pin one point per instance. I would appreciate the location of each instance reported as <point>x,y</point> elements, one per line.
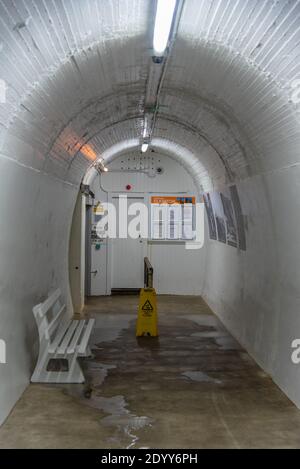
<point>94,272</point>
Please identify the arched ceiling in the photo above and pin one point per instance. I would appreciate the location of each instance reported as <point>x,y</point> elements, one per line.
<point>77,72</point>
<point>194,166</point>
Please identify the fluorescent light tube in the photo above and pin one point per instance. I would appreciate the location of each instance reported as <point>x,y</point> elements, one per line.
<point>163,22</point>
<point>145,128</point>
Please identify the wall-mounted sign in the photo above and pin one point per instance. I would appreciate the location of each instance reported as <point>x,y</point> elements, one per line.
<point>172,217</point>
<point>99,209</point>
<point>225,217</point>
<point>172,200</point>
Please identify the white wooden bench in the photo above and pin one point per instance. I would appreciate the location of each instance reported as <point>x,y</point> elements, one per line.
<point>62,341</point>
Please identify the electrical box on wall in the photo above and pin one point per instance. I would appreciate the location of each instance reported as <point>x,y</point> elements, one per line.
<point>96,236</point>
<point>98,280</point>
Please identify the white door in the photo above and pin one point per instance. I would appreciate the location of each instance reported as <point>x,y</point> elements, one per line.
<point>128,255</point>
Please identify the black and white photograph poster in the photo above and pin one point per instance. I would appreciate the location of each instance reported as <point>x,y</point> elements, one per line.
<point>230,220</point>
<point>210,217</point>
<point>219,216</point>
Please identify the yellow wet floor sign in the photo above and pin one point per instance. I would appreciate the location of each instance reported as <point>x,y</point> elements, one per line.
<point>147,315</point>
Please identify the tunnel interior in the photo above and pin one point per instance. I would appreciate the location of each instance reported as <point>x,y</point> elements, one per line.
<point>79,78</point>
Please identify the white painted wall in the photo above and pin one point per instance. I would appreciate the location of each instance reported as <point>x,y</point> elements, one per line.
<point>257,293</point>
<point>34,259</point>
<point>176,270</point>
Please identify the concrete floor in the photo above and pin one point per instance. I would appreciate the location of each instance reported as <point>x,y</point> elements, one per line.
<point>193,387</point>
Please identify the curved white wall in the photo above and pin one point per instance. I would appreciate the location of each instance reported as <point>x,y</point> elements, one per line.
<point>36,213</point>
<point>256,293</point>
<point>76,75</point>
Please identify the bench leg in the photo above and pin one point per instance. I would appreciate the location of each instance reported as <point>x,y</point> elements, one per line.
<point>88,353</point>
<point>73,375</point>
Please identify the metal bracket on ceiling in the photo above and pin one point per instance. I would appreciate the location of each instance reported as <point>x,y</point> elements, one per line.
<point>85,190</point>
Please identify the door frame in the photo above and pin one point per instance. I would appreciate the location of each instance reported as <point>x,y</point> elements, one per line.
<point>88,248</point>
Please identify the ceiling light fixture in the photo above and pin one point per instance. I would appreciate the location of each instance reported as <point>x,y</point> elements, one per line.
<point>145,147</point>
<point>145,132</point>
<point>163,23</point>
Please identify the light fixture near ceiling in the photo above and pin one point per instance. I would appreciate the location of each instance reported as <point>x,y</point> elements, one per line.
<point>163,24</point>
<point>145,147</point>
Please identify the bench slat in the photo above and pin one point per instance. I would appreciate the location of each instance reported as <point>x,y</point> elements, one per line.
<point>59,336</point>
<point>54,323</point>
<point>42,324</point>
<point>86,336</point>
<point>69,334</point>
<point>76,337</point>
<point>44,307</point>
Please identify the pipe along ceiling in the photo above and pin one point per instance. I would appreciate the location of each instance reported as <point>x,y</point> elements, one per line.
<point>79,83</point>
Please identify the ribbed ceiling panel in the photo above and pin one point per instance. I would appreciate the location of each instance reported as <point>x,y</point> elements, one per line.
<point>77,70</point>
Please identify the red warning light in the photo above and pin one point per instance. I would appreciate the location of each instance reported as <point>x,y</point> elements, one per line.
<point>128,187</point>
